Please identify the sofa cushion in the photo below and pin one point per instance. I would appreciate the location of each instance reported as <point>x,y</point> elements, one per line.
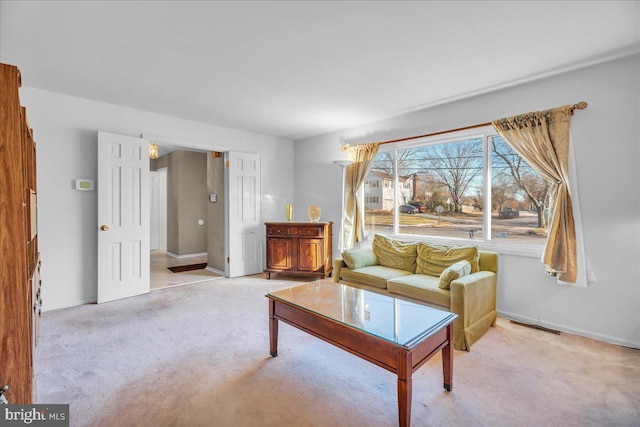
<point>375,275</point>
<point>421,287</point>
<point>453,272</point>
<point>358,258</point>
<point>394,253</point>
<point>432,260</point>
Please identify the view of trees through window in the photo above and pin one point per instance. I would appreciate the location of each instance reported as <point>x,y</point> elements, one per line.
<point>440,192</point>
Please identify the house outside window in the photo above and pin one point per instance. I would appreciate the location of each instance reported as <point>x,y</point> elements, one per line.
<point>381,197</point>
<point>473,187</point>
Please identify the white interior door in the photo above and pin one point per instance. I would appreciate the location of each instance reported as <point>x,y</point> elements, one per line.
<point>123,216</point>
<point>244,226</point>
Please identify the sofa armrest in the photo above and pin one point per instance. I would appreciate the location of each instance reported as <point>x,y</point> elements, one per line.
<point>338,264</point>
<point>474,295</point>
<point>473,299</point>
<point>489,261</point>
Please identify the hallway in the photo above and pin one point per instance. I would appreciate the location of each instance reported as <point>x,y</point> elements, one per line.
<point>162,277</point>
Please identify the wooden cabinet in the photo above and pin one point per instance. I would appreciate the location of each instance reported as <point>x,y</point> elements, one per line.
<point>36,304</point>
<point>302,248</point>
<point>20,295</point>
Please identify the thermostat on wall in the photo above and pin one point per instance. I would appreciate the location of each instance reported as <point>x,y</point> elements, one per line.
<point>84,184</point>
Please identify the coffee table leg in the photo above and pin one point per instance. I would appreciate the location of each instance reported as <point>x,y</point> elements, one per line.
<point>404,388</point>
<point>273,329</point>
<point>447,359</point>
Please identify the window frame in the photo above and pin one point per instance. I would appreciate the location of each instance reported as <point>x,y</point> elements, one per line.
<point>484,133</point>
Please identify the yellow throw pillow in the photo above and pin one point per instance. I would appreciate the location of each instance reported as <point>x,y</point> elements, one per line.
<point>394,253</point>
<point>456,271</point>
<point>433,260</point>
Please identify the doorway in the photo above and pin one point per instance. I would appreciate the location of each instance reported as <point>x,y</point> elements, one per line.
<point>179,217</point>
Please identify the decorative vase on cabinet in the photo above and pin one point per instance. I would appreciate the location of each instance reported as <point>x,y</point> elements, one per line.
<point>314,213</point>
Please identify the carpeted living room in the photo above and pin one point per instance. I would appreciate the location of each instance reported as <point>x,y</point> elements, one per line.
<point>320,213</point>
<point>198,355</point>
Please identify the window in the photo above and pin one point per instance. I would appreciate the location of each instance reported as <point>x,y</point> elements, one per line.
<point>519,197</point>
<point>469,185</point>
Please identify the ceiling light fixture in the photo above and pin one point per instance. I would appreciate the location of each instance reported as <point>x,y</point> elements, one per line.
<point>153,150</point>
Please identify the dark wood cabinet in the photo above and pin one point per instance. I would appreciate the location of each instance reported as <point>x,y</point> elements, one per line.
<point>302,248</point>
<point>20,296</point>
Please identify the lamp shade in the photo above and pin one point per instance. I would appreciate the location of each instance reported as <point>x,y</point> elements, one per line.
<point>342,163</point>
<point>343,157</point>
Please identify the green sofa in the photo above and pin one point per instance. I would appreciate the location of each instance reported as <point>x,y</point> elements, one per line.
<point>461,279</point>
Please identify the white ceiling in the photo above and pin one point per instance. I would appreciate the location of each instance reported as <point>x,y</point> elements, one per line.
<point>299,69</point>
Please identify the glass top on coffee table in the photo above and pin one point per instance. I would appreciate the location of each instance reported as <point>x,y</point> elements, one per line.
<point>386,317</point>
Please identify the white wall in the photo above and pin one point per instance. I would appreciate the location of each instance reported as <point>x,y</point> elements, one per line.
<point>65,130</point>
<point>605,137</point>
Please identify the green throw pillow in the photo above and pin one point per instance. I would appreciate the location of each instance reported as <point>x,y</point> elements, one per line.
<point>394,253</point>
<point>433,260</point>
<point>456,271</point>
<point>358,258</point>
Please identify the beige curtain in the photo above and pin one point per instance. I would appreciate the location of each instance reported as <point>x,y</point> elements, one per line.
<point>353,225</point>
<point>542,139</point>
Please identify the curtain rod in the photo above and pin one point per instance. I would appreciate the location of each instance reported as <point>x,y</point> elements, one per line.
<point>579,106</point>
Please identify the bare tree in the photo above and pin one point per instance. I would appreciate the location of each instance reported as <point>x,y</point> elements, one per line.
<point>535,188</point>
<point>502,190</point>
<point>406,163</point>
<point>455,164</point>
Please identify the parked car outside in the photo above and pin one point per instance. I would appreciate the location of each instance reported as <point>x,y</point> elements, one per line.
<point>409,209</point>
<point>419,205</point>
<point>508,213</point>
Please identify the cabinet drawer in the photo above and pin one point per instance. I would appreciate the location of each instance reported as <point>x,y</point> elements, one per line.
<point>311,231</point>
<point>281,230</point>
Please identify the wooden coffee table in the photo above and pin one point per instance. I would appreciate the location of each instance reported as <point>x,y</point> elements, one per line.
<point>395,334</point>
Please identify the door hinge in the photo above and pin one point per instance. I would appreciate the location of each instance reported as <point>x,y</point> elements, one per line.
<point>228,260</point>
<point>228,163</point>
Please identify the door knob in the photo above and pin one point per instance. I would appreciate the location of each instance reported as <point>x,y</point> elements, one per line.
<point>104,227</point>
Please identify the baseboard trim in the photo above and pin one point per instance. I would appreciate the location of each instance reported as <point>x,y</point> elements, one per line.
<point>540,328</point>
<point>195,282</point>
<point>67,304</point>
<point>171,254</point>
<point>555,326</point>
<point>215,270</point>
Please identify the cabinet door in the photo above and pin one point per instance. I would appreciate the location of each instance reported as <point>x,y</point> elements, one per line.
<point>279,254</point>
<point>310,254</point>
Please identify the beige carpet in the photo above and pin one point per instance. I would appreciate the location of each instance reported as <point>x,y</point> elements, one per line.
<point>198,355</point>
